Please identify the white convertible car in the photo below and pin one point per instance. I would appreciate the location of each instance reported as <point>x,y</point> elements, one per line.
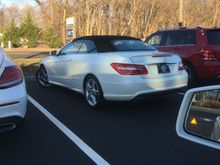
<point>13,96</point>
<point>112,68</point>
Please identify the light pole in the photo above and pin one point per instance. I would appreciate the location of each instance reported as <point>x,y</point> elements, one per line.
<point>180,23</point>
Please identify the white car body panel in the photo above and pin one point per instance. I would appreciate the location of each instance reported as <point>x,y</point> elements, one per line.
<point>13,94</point>
<point>71,70</point>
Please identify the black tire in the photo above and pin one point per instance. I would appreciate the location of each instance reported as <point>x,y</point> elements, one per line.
<point>192,75</point>
<point>93,92</point>
<point>42,77</point>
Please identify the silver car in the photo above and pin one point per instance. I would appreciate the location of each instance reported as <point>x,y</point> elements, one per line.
<point>112,68</point>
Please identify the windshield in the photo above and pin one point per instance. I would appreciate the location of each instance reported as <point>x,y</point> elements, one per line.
<point>131,45</point>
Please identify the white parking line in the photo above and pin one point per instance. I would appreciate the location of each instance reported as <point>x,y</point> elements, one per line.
<point>72,136</point>
<point>181,93</point>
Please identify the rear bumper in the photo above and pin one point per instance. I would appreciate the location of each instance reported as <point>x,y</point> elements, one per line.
<point>161,93</point>
<point>13,101</point>
<point>128,89</point>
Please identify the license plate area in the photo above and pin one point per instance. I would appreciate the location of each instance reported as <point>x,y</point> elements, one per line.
<point>163,68</point>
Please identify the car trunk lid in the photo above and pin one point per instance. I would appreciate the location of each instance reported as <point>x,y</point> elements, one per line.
<point>158,64</point>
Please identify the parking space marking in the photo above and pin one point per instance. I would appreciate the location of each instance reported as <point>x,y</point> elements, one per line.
<point>72,136</point>
<point>181,93</point>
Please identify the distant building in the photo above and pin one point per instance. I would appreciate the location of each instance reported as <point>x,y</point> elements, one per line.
<point>70,28</point>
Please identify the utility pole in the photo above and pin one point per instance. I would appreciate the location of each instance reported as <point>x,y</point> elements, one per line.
<point>64,22</point>
<point>180,23</point>
<point>52,12</point>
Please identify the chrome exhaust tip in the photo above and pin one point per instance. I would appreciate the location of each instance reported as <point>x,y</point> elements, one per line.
<point>7,126</point>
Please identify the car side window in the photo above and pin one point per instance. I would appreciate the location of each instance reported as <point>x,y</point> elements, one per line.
<point>189,37</point>
<point>180,38</point>
<point>88,46</point>
<point>71,48</point>
<point>172,38</point>
<point>155,40</point>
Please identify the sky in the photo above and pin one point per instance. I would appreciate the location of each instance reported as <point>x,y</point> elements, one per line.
<point>17,2</point>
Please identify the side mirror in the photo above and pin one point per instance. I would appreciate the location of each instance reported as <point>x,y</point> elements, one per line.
<point>53,53</point>
<point>199,116</point>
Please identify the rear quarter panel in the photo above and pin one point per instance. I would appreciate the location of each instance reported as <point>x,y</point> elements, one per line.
<point>4,61</point>
<point>97,64</point>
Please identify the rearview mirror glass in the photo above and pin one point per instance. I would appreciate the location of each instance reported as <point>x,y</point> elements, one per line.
<point>53,53</point>
<point>203,117</point>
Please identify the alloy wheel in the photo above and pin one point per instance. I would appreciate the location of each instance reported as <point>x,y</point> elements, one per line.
<point>42,77</point>
<point>92,92</point>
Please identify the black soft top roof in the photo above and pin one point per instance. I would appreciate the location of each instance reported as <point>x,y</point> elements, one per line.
<point>106,37</point>
<point>103,43</point>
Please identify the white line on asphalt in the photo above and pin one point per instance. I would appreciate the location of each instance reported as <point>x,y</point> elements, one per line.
<point>181,93</point>
<point>72,136</point>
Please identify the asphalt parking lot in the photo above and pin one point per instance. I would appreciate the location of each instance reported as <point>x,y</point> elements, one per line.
<point>121,133</point>
<point>61,129</point>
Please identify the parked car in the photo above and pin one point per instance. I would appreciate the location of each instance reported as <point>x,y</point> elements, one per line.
<point>199,48</point>
<point>112,68</point>
<point>13,97</point>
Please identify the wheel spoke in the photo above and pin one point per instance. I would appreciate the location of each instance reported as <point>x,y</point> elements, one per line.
<point>88,95</point>
<point>93,99</point>
<point>95,91</point>
<point>88,86</point>
<point>89,98</point>
<point>93,84</point>
<point>43,73</point>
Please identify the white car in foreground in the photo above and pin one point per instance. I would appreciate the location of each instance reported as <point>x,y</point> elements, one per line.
<point>112,68</point>
<point>13,97</point>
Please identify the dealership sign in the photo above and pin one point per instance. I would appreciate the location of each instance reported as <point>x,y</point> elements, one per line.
<point>70,28</point>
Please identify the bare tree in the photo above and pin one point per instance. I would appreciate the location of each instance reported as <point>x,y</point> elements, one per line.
<point>137,18</point>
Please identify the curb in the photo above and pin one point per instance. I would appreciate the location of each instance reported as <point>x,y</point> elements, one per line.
<point>29,49</point>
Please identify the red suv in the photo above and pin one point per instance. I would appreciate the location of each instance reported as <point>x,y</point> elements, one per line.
<point>199,48</point>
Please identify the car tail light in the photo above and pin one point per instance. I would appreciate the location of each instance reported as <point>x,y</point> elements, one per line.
<point>129,69</point>
<point>208,54</point>
<point>11,76</point>
<point>181,66</point>
<point>10,103</point>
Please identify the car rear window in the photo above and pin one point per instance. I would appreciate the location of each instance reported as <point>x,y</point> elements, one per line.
<point>213,37</point>
<point>131,45</point>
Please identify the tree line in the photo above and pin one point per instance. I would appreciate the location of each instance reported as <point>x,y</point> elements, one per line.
<point>137,18</point>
